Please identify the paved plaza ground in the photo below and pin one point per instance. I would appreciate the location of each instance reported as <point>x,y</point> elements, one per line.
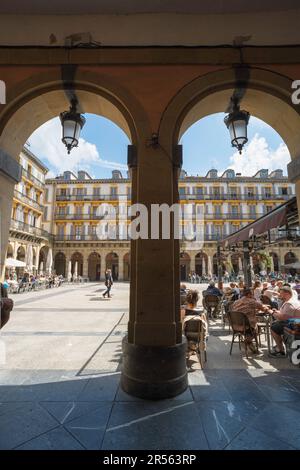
<point>59,385</point>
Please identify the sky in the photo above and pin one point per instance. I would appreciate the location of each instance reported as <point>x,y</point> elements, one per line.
<point>206,145</point>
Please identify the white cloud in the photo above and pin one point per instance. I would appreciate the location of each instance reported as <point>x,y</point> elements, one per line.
<point>257,155</point>
<point>46,143</point>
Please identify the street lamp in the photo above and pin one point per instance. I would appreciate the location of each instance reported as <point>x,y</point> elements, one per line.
<point>72,123</point>
<point>237,122</point>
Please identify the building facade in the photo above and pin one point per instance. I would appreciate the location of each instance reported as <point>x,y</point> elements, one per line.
<point>89,220</point>
<point>28,241</point>
<point>77,223</point>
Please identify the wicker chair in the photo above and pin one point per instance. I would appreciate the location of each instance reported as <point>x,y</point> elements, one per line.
<point>194,329</point>
<point>212,304</point>
<point>240,325</point>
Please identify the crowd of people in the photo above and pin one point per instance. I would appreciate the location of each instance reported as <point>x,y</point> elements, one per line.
<point>30,282</point>
<point>274,297</point>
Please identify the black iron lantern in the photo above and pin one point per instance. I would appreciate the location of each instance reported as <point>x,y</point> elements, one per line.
<point>72,123</point>
<point>237,122</point>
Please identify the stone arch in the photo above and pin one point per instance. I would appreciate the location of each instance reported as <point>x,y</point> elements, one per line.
<point>34,257</point>
<point>237,263</point>
<point>267,96</point>
<point>77,258</point>
<point>255,263</point>
<point>112,262</point>
<point>94,266</point>
<point>126,261</point>
<point>290,257</point>
<point>275,261</point>
<point>43,258</point>
<point>185,266</point>
<point>21,253</point>
<point>201,263</point>
<point>10,251</point>
<point>42,97</point>
<point>60,263</point>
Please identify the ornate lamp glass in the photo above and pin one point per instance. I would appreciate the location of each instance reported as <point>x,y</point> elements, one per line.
<point>72,123</point>
<point>237,122</point>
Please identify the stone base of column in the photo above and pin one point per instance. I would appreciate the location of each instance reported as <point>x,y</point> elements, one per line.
<point>154,372</point>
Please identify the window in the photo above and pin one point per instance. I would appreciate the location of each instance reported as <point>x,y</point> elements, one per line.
<point>45,213</point>
<point>199,191</point>
<point>78,232</point>
<point>234,210</point>
<point>182,190</point>
<point>233,192</point>
<point>250,192</point>
<point>218,209</point>
<point>284,191</point>
<point>78,210</point>
<point>60,230</point>
<point>113,190</point>
<point>93,229</point>
<point>252,210</point>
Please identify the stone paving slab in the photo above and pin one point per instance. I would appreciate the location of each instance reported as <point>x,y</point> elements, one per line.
<point>251,439</point>
<point>162,425</point>
<point>224,420</point>
<point>89,429</point>
<point>58,438</point>
<point>60,387</point>
<point>23,424</point>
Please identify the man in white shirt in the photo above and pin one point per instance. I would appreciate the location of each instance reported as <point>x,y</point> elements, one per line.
<point>289,309</point>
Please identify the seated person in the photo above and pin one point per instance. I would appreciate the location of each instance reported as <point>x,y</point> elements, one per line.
<point>218,294</point>
<point>235,291</point>
<point>257,289</point>
<point>212,290</point>
<point>250,307</point>
<point>189,312</point>
<point>270,297</point>
<point>192,298</point>
<point>183,294</point>
<point>289,308</point>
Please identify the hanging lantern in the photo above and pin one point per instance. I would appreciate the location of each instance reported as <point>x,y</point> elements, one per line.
<point>72,123</point>
<point>237,122</point>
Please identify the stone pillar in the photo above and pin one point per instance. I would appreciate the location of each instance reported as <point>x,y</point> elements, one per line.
<point>154,363</point>
<point>103,267</point>
<point>121,267</point>
<point>6,200</point>
<point>85,268</point>
<point>193,262</point>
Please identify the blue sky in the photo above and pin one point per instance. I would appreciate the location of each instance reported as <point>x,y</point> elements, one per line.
<point>206,144</point>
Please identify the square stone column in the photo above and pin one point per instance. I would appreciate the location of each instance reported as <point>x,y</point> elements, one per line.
<point>154,353</point>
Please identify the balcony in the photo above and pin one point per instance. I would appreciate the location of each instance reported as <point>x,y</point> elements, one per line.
<point>224,216</point>
<point>234,197</point>
<point>82,216</point>
<point>88,237</point>
<point>92,197</point>
<point>33,179</point>
<point>28,200</point>
<point>19,226</point>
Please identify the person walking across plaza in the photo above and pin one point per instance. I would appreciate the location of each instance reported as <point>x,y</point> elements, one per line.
<point>108,283</point>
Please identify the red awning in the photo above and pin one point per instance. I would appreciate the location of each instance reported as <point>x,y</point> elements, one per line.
<point>275,218</point>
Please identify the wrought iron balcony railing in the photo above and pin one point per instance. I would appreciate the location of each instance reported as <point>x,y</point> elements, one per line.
<point>28,200</point>
<point>29,229</point>
<point>92,197</point>
<point>33,179</point>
